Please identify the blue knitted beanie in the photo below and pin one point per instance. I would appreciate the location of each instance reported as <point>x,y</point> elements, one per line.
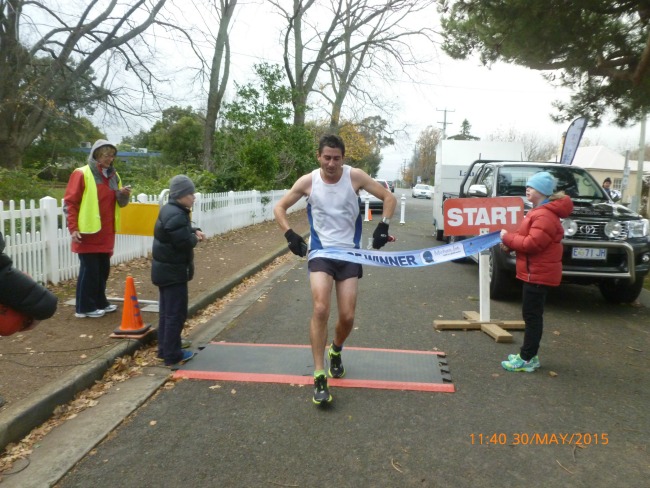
<point>543,182</point>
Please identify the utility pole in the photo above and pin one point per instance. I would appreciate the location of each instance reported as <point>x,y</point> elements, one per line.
<point>444,122</point>
<point>637,200</point>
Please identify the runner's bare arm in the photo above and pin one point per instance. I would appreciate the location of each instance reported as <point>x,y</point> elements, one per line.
<point>301,188</point>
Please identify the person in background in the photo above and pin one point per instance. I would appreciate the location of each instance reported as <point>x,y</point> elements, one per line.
<point>332,193</point>
<point>538,244</point>
<point>611,193</point>
<point>91,204</point>
<point>173,267</point>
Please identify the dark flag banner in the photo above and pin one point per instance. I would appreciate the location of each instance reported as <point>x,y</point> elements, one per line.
<point>572,140</point>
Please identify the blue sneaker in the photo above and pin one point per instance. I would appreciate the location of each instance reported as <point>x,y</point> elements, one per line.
<point>534,361</point>
<point>517,364</point>
<point>187,355</point>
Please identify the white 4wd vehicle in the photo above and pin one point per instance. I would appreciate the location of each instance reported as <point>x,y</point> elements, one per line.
<point>605,243</point>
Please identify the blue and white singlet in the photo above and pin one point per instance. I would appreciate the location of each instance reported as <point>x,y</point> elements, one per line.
<point>333,212</point>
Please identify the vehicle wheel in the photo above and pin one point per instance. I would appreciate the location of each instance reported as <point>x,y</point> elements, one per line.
<point>620,290</point>
<point>503,285</point>
<point>440,236</point>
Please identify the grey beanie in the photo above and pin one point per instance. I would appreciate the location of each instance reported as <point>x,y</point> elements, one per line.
<point>179,186</point>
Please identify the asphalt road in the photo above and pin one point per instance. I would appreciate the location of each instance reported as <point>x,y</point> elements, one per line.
<point>498,428</point>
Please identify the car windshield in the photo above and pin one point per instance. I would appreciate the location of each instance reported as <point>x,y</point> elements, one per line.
<point>574,181</point>
<point>421,187</point>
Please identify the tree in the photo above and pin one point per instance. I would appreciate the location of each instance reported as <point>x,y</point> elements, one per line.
<point>218,80</point>
<point>178,135</point>
<point>465,133</point>
<point>39,80</point>
<point>599,49</point>
<point>257,147</point>
<point>305,55</point>
<point>370,39</point>
<point>423,162</point>
<point>536,148</point>
<point>59,137</point>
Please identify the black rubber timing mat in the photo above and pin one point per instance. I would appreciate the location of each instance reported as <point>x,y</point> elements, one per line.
<point>286,363</point>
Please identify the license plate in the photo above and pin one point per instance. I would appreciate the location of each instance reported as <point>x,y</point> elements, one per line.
<point>589,253</point>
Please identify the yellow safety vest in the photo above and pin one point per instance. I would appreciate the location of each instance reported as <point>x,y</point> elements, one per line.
<point>89,220</point>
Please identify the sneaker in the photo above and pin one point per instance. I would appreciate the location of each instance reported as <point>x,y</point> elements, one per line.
<point>515,363</point>
<point>534,361</point>
<point>187,355</point>
<point>110,308</point>
<point>97,313</point>
<point>336,365</point>
<point>321,392</point>
<point>185,343</point>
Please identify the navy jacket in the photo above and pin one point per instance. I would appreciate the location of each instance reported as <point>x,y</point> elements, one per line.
<point>173,246</point>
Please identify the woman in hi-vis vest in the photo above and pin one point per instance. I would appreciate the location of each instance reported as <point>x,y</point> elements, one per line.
<point>92,204</point>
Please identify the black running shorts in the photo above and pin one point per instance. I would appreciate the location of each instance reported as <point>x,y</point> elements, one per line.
<point>337,269</point>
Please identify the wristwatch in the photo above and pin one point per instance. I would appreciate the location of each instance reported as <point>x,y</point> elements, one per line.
<point>386,220</point>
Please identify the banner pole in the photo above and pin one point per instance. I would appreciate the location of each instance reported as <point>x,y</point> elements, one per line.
<point>484,282</point>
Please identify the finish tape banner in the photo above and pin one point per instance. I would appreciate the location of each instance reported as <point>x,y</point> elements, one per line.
<point>412,259</point>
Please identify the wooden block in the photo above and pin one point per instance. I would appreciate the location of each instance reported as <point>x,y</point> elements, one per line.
<point>497,333</point>
<point>472,315</point>
<point>455,324</point>
<point>512,324</point>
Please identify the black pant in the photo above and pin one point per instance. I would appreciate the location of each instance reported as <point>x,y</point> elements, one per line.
<point>94,269</point>
<point>172,308</point>
<point>532,311</point>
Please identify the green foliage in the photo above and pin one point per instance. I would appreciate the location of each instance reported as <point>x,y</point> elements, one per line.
<point>56,143</point>
<point>21,185</point>
<point>258,148</point>
<point>596,48</point>
<point>465,133</point>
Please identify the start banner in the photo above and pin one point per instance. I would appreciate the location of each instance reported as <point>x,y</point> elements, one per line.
<point>474,216</point>
<point>412,259</point>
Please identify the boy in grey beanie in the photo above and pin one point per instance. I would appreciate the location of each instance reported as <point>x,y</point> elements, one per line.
<point>180,186</point>
<point>173,267</point>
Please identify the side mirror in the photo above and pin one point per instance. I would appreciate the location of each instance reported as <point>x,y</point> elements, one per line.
<point>477,191</point>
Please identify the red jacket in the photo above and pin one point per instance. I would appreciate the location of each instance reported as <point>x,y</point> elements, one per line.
<point>538,242</point>
<point>104,240</point>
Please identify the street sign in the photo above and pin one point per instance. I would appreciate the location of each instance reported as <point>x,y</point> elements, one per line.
<point>474,216</point>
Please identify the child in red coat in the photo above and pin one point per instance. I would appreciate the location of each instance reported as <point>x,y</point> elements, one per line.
<point>538,244</point>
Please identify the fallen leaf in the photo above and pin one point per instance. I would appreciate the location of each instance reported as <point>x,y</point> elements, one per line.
<point>552,374</point>
<point>215,387</point>
<point>153,422</point>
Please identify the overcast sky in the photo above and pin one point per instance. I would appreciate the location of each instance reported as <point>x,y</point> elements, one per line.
<point>500,98</point>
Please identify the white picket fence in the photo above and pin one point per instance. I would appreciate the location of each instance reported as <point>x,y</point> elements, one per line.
<point>38,240</point>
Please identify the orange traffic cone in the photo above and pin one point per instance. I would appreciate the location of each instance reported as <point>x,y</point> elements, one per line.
<point>132,326</point>
<point>369,214</point>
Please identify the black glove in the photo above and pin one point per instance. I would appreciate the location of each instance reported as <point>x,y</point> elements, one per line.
<point>380,236</point>
<point>297,244</point>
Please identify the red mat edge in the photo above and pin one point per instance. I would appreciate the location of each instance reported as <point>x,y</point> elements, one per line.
<point>307,380</point>
<point>304,346</point>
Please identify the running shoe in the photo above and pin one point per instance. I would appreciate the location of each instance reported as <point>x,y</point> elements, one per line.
<point>534,361</point>
<point>336,364</point>
<point>517,364</point>
<point>187,355</point>
<point>94,314</point>
<point>110,308</point>
<point>321,391</point>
